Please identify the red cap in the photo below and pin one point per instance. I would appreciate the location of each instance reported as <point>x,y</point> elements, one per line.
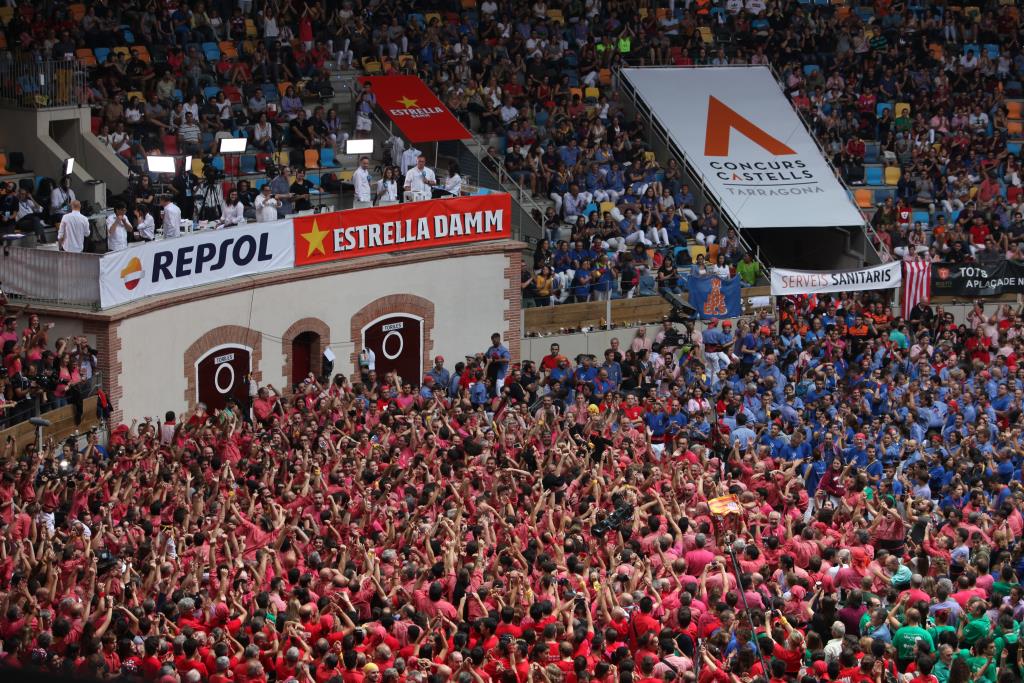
<point>727,323</point>
<point>427,379</point>
<point>438,359</point>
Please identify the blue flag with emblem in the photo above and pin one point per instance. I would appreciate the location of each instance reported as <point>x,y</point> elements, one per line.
<point>714,297</point>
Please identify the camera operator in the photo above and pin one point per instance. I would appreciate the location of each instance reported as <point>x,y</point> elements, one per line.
<point>267,205</point>
<point>185,185</point>
<point>118,228</point>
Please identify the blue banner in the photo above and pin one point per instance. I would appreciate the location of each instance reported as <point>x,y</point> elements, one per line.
<point>714,297</point>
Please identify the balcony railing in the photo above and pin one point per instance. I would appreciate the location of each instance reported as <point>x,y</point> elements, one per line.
<point>49,275</point>
<point>34,84</point>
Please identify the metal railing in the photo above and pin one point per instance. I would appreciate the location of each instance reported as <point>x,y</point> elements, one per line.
<point>655,128</point>
<point>49,275</point>
<point>36,407</point>
<point>32,84</point>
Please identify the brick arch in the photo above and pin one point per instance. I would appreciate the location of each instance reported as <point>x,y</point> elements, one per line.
<point>225,334</point>
<point>390,305</point>
<point>315,325</point>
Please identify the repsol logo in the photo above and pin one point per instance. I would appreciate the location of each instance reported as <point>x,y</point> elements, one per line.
<point>208,258</point>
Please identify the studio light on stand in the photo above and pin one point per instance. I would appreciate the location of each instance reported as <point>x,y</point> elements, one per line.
<point>359,146</point>
<point>160,164</point>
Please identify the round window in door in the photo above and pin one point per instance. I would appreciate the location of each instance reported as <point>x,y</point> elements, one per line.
<point>397,344</point>
<point>221,373</point>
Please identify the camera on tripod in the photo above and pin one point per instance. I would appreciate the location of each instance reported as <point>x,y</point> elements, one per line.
<point>210,172</point>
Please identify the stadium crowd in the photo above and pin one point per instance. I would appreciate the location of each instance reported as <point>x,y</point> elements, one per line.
<point>558,520</point>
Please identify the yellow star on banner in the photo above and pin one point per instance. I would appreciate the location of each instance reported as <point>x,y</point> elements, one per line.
<point>315,239</point>
<point>408,102</point>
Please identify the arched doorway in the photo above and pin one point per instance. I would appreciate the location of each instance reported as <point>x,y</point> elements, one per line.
<point>397,343</point>
<point>221,373</point>
<point>305,356</point>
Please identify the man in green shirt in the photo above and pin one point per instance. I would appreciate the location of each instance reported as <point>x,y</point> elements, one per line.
<point>748,270</point>
<point>982,660</point>
<point>905,639</point>
<point>976,625</point>
<point>941,669</point>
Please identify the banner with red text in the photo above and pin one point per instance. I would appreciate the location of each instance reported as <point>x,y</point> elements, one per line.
<point>415,109</point>
<point>401,227</point>
<point>790,282</point>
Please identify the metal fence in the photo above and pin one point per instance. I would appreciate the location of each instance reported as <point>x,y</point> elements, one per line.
<point>39,84</point>
<point>51,275</point>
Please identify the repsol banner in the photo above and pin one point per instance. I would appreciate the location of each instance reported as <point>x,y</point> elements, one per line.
<point>193,260</point>
<point>789,282</point>
<point>968,280</point>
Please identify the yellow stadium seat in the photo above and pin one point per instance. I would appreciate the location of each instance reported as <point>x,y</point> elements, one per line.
<point>591,94</point>
<point>697,250</point>
<point>892,175</point>
<point>556,16</point>
<point>705,35</point>
<point>431,17</point>
<point>250,29</point>
<point>606,207</point>
<point>137,95</point>
<point>901,108</point>
<point>281,157</point>
<point>197,167</point>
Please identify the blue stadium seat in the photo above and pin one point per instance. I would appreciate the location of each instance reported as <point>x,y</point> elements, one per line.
<point>260,183</point>
<point>210,91</point>
<point>992,50</point>
<point>129,37</point>
<point>212,51</point>
<point>811,68</point>
<point>178,95</point>
<point>313,178</point>
<point>247,164</point>
<point>871,152</point>
<point>972,47</point>
<point>101,54</point>
<point>882,106</point>
<point>218,163</point>
<point>873,175</point>
<point>922,217</point>
<point>327,157</point>
<point>1014,88</point>
<point>1013,148</point>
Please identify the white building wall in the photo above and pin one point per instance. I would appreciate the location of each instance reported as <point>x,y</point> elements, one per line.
<point>468,294</point>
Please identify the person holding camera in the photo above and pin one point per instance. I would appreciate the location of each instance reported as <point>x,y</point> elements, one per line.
<point>266,205</point>
<point>118,228</point>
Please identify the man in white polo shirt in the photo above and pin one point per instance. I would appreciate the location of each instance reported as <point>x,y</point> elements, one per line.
<point>74,228</point>
<point>171,217</point>
<point>419,179</point>
<point>361,185</point>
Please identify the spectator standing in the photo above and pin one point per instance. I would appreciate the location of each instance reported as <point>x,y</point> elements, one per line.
<point>74,229</point>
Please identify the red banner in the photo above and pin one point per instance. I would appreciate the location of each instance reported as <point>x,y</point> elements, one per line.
<point>401,227</point>
<point>415,109</point>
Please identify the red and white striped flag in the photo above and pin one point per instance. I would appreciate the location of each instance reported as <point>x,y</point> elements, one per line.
<point>917,284</point>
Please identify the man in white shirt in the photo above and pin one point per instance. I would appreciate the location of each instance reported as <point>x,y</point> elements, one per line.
<point>118,228</point>
<point>171,217</point>
<point>266,205</point>
<point>361,185</point>
<point>418,180</point>
<point>74,228</point>
<point>61,197</point>
<point>30,215</point>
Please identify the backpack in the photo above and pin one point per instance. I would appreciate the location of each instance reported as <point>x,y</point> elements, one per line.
<point>330,182</point>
